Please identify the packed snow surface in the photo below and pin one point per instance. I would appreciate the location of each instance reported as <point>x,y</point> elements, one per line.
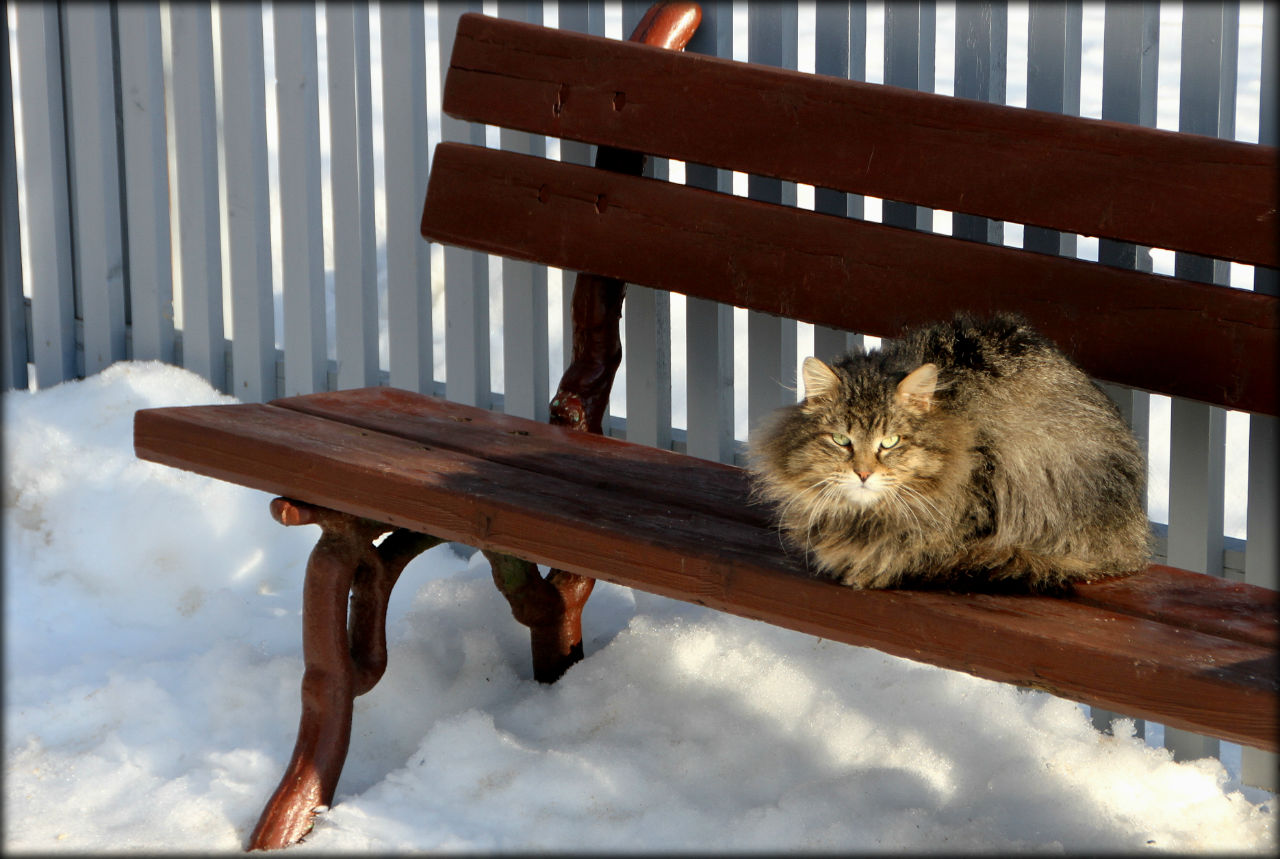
<point>153,653</point>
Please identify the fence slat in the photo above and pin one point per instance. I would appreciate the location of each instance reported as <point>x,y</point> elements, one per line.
<point>840,50</point>
<point>981,48</point>
<point>466,286</point>
<point>194,190</point>
<point>95,187</point>
<point>146,181</point>
<point>1197,455</point>
<point>1054,35</point>
<point>709,326</point>
<point>909,42</point>
<point>46,203</point>
<point>1262,561</point>
<point>1262,551</point>
<point>646,316</point>
<point>579,18</point>
<point>1130,61</point>
<point>355,264</point>
<point>302,233</point>
<point>771,354</point>
<point>245,188</point>
<point>1131,41</point>
<point>526,388</point>
<point>13,314</point>
<point>404,128</point>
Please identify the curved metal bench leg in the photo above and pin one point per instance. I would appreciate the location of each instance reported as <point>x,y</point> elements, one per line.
<point>341,662</point>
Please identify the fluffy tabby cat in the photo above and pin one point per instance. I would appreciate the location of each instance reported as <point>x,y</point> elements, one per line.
<point>967,452</point>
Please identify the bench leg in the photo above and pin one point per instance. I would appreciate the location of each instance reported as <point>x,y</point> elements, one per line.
<point>551,607</point>
<point>345,655</point>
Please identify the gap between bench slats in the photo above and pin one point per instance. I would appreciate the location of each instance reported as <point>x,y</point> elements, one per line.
<point>1163,594</point>
<point>1148,186</point>
<point>1179,676</point>
<point>1200,341</point>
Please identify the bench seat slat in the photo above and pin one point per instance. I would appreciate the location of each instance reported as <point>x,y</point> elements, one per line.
<point>601,461</point>
<point>1164,594</point>
<point>1181,676</point>
<point>1142,330</point>
<point>898,144</point>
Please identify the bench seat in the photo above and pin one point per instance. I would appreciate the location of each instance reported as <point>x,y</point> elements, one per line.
<point>1187,650</point>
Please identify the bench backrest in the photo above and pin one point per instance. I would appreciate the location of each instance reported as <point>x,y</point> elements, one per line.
<point>1187,193</point>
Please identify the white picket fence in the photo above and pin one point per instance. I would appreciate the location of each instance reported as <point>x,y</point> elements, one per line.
<point>236,188</point>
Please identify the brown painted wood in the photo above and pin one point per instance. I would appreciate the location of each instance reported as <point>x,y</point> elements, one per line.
<point>1204,342</point>
<point>1165,594</point>
<point>1223,685</point>
<point>634,471</point>
<point>1192,600</point>
<point>1148,186</point>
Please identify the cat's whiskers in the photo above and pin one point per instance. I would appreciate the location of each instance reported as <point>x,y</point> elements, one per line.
<point>899,506</point>
<point>917,500</point>
<point>808,505</point>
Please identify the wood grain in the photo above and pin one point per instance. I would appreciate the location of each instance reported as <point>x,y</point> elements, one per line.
<point>1204,342</point>
<point>1123,646</point>
<point>1093,177</point>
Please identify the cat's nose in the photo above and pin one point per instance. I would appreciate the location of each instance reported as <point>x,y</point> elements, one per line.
<point>863,474</point>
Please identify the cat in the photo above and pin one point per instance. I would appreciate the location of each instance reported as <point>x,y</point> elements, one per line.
<point>967,453</point>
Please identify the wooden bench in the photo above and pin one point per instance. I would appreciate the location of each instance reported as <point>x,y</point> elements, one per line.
<point>1188,650</point>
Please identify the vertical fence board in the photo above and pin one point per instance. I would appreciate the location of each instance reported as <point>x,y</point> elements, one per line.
<point>1262,551</point>
<point>194,190</point>
<point>247,230</point>
<point>982,34</point>
<point>1054,33</point>
<point>840,50</point>
<point>13,313</point>
<point>909,41</point>
<point>301,234</point>
<point>466,297</point>
<point>1130,60</point>
<point>708,325</point>
<point>575,17</point>
<point>647,319</point>
<point>1131,41</point>
<point>524,289</point>
<point>1206,105</point>
<point>771,342</point>
<point>1268,80</point>
<point>46,203</point>
<point>351,182</point>
<point>95,183</point>
<point>1262,561</point>
<point>578,17</point>
<point>405,147</point>
<point>146,181</point>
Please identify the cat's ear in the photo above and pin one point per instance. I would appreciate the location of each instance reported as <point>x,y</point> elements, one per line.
<point>820,381</point>
<point>916,391</point>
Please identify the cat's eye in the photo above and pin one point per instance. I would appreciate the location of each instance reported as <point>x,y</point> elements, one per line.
<point>841,439</point>
<point>889,441</point>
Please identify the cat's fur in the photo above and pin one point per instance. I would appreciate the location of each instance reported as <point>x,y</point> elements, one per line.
<point>967,452</point>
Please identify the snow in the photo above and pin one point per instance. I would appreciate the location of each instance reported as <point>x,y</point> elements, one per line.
<point>152,646</point>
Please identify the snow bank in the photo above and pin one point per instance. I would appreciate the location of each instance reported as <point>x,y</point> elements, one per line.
<point>152,645</point>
